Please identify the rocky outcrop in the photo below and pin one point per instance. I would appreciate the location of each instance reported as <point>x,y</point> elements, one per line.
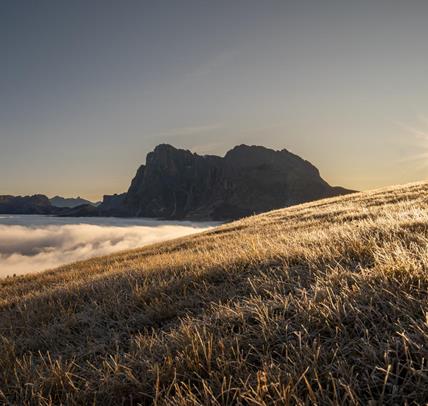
<point>178,184</point>
<point>174,183</point>
<point>114,205</point>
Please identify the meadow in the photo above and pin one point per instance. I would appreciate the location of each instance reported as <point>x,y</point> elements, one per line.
<point>321,303</point>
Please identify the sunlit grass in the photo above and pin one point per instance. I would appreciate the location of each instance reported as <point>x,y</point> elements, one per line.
<point>322,303</point>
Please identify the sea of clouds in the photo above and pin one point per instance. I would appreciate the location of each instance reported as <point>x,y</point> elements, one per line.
<point>36,243</point>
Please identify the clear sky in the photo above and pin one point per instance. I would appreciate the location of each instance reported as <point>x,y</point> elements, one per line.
<point>87,88</point>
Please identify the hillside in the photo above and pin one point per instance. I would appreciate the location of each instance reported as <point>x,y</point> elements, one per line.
<point>324,303</point>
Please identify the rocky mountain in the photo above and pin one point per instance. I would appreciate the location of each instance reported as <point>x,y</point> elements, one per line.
<point>41,204</point>
<point>178,184</point>
<point>37,204</point>
<point>111,206</point>
<point>59,201</point>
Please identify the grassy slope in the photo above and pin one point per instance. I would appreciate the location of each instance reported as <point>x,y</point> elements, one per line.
<point>324,302</point>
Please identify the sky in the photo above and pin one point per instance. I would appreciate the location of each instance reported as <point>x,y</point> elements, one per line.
<point>88,88</point>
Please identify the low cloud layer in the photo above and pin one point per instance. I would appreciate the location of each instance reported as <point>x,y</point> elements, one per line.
<point>37,247</point>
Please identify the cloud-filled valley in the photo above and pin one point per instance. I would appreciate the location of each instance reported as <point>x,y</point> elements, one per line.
<point>35,246</point>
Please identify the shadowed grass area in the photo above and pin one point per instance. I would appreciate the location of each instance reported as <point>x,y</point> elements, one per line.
<point>322,303</point>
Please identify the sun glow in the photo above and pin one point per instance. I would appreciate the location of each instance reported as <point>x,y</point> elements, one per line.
<point>419,141</point>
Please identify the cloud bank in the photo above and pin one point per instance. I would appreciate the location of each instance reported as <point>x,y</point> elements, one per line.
<point>37,247</point>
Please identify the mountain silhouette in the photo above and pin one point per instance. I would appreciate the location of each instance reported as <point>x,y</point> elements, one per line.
<point>178,184</point>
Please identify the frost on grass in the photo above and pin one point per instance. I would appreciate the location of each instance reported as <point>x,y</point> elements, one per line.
<point>322,303</point>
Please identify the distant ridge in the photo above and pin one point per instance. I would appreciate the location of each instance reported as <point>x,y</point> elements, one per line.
<point>59,201</point>
<point>36,204</point>
<point>41,204</point>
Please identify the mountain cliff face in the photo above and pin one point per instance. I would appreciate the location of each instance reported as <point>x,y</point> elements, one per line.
<point>178,184</point>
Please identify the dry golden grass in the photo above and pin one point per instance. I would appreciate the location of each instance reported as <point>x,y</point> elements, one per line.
<point>323,303</point>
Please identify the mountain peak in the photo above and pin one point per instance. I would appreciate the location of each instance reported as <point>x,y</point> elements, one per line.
<point>176,183</point>
<point>164,147</point>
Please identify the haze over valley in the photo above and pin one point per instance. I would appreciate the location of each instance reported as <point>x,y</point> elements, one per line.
<point>35,243</point>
